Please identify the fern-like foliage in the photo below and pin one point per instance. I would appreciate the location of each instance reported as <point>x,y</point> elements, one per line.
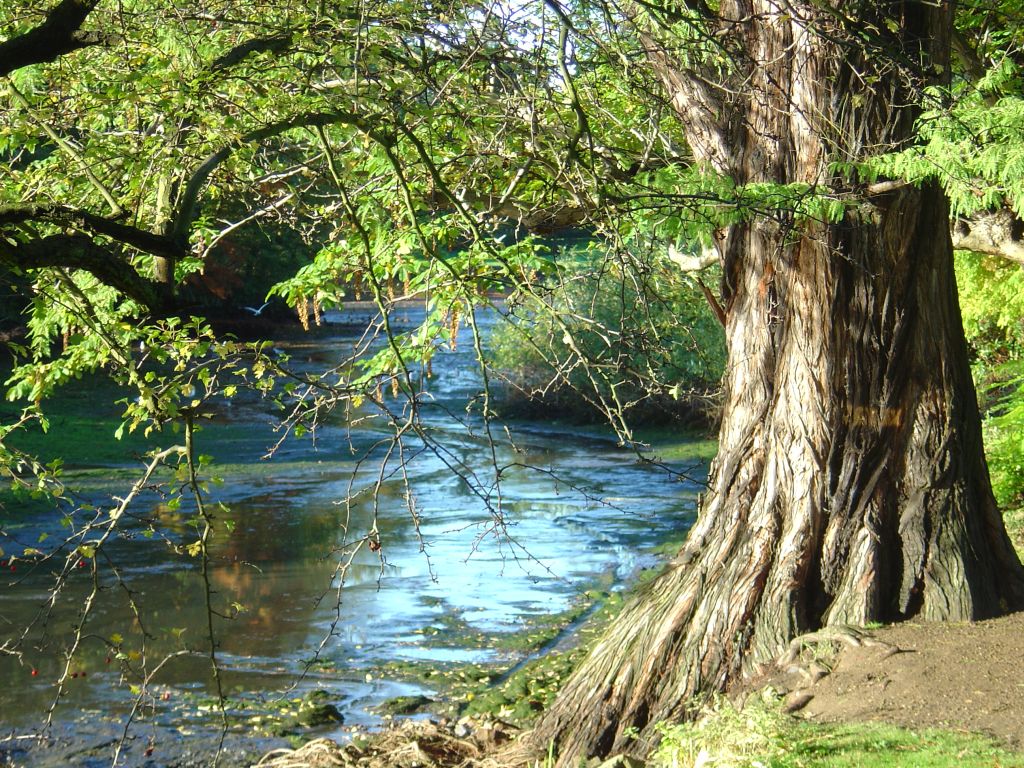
<point>971,138</point>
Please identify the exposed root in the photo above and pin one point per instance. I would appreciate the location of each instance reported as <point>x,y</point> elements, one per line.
<point>796,701</point>
<point>825,642</point>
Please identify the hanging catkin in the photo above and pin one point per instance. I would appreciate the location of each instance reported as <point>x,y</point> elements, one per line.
<point>453,327</point>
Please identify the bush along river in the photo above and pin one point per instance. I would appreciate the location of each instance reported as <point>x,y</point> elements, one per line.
<point>446,605</point>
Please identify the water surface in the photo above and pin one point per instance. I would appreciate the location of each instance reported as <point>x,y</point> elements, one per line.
<point>576,511</point>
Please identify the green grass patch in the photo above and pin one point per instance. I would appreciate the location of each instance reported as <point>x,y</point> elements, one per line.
<point>676,445</point>
<point>85,440</point>
<point>761,736</point>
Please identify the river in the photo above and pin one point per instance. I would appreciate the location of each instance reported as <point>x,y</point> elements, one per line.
<point>586,515</point>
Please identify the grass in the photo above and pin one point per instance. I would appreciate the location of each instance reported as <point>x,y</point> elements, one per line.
<point>760,736</point>
<point>83,437</point>
<point>677,445</point>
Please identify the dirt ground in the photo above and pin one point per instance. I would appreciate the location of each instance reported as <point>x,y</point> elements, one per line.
<point>921,675</point>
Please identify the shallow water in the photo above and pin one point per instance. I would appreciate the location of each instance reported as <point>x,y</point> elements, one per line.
<point>576,512</point>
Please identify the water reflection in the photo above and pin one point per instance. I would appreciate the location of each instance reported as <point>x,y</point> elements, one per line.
<point>275,576</point>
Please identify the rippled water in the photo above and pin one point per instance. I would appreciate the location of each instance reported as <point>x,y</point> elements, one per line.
<point>585,513</point>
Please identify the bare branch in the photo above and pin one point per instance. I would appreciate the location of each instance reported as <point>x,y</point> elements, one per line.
<point>687,263</point>
<point>997,234</point>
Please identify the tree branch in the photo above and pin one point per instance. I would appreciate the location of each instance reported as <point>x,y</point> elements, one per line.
<point>999,233</point>
<point>70,151</point>
<point>242,51</point>
<point>687,263</point>
<point>82,252</point>
<point>59,34</point>
<point>582,124</point>
<point>148,242</point>
<point>188,205</point>
<point>671,11</point>
<point>698,103</point>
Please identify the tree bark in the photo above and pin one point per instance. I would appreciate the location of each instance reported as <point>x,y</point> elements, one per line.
<point>994,233</point>
<point>59,34</point>
<point>850,484</point>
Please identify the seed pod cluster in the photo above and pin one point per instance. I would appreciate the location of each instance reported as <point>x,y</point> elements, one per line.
<point>453,326</point>
<point>302,307</point>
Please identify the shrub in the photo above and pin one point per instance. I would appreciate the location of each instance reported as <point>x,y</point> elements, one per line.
<point>612,334</point>
<point>992,304</point>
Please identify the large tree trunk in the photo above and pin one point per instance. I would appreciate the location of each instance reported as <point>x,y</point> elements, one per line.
<point>850,484</point>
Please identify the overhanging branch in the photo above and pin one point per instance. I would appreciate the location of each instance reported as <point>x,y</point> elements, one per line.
<point>188,205</point>
<point>79,251</point>
<point>70,151</point>
<point>59,34</point>
<point>157,245</point>
<point>242,51</point>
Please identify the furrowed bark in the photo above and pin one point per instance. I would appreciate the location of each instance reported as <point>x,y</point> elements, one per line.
<point>850,484</point>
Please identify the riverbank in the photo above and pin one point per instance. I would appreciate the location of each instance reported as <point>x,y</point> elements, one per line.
<point>579,504</point>
<point>927,695</point>
<point>914,695</point>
